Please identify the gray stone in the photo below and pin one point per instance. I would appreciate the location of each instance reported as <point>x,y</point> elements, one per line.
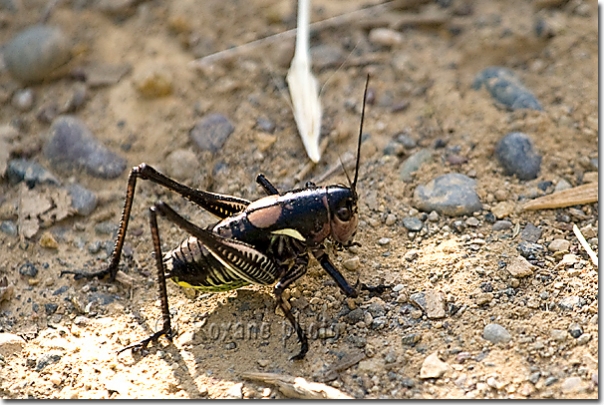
<point>413,163</point>
<point>211,132</point>
<point>72,146</point>
<point>530,233</point>
<point>83,200</point>
<point>413,224</point>
<point>516,154</point>
<point>9,228</point>
<point>502,225</point>
<point>451,194</point>
<point>496,333</point>
<point>30,172</point>
<point>34,53</point>
<point>506,88</point>
<point>572,384</point>
<point>355,316</point>
<point>47,359</point>
<point>530,250</point>
<point>575,330</point>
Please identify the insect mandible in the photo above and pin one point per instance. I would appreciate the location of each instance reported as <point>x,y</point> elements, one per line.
<point>268,241</point>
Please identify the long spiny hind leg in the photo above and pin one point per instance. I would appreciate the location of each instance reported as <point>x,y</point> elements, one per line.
<point>163,292</point>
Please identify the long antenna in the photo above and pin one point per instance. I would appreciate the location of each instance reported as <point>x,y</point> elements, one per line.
<point>356,170</point>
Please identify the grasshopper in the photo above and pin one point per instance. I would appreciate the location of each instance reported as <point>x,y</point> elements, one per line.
<point>267,241</point>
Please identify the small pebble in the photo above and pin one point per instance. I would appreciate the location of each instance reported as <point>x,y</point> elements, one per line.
<point>404,139</point>
<point>383,241</point>
<point>352,264</point>
<point>530,233</point>
<point>234,392</point>
<point>433,367</point>
<point>559,245</point>
<point>473,222</point>
<point>502,225</point>
<point>575,330</point>
<point>9,228</point>
<point>390,220</point>
<point>584,338</point>
<point>550,381</point>
<point>28,270</point>
<point>355,316</point>
<point>413,224</point>
<point>35,52</point>
<point>47,359</point>
<point>23,100</point>
<point>519,267</point>
<point>431,302</point>
<point>73,146</point>
<point>411,338</point>
<point>496,333</point>
<point>48,241</point>
<point>433,216</point>
<point>182,164</point>
<point>83,200</point>
<point>411,255</point>
<point>32,173</point>
<point>506,88</point>
<point>530,250</point>
<point>571,302</point>
<point>451,194</point>
<point>516,154</point>
<point>211,132</point>
<point>413,163</point>
<point>562,185</point>
<point>385,37</point>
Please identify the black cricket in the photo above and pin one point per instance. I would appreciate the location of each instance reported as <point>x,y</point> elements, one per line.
<point>260,242</point>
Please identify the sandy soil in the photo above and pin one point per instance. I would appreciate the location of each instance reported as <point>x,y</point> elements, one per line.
<point>422,86</point>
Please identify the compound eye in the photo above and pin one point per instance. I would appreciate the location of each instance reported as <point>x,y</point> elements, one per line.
<point>344,214</point>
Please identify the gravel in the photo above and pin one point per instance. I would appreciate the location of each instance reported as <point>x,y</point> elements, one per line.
<point>413,163</point>
<point>413,224</point>
<point>31,172</point>
<point>83,200</point>
<point>28,270</point>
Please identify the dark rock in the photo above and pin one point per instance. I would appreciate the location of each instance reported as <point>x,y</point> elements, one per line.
<point>47,359</point>
<point>411,339</point>
<point>517,156</point>
<point>376,309</point>
<point>101,298</point>
<point>60,290</point>
<point>28,270</point>
<point>50,308</point>
<point>405,140</point>
<point>412,224</point>
<point>530,250</point>
<point>451,194</point>
<point>72,146</point>
<point>211,132</point>
<point>32,173</point>
<point>575,330</point>
<point>506,88</point>
<point>34,53</point>
<point>530,233</point>
<point>83,200</point>
<point>355,316</point>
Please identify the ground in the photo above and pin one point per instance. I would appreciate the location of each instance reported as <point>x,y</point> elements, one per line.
<point>420,86</point>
